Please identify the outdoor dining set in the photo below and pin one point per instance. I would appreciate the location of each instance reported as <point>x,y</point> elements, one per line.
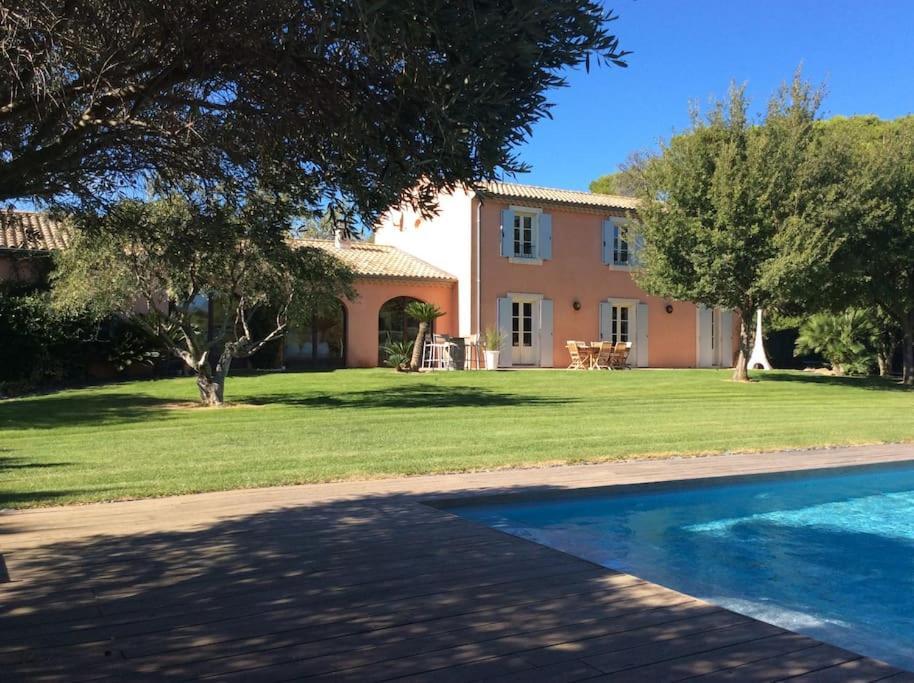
<point>601,355</point>
<point>441,352</point>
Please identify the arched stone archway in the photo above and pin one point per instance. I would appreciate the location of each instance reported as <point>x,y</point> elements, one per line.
<point>394,324</point>
<point>319,344</point>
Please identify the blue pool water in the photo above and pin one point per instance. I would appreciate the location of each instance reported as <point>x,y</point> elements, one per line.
<point>827,554</point>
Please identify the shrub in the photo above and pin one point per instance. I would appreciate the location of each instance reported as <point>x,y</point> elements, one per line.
<point>843,339</point>
<point>397,354</point>
<point>41,346</point>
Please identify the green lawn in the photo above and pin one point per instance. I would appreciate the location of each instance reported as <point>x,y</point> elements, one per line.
<point>137,439</point>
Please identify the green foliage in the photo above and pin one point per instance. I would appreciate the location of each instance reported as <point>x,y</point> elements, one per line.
<point>844,339</point>
<point>606,184</point>
<point>874,265</point>
<point>337,100</point>
<point>40,346</point>
<point>627,181</point>
<point>132,346</point>
<point>493,339</point>
<point>397,354</point>
<point>422,311</point>
<point>155,262</point>
<point>735,213</point>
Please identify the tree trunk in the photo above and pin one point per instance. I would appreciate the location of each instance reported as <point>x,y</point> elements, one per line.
<point>741,369</point>
<point>211,383</point>
<point>884,361</point>
<point>417,347</point>
<point>907,351</point>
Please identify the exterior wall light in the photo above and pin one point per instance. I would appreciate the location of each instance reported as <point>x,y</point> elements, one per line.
<point>669,308</point>
<point>576,305</point>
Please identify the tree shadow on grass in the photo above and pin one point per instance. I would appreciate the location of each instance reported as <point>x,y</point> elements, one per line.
<point>412,396</point>
<point>17,463</point>
<point>867,383</point>
<point>79,408</point>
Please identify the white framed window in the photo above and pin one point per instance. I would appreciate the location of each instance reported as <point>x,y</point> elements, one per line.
<point>525,233</point>
<point>620,324</point>
<point>621,250</point>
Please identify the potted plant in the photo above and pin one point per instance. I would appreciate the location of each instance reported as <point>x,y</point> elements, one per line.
<point>493,339</point>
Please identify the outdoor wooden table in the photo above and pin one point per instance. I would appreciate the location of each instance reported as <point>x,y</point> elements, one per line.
<point>594,354</point>
<point>589,353</point>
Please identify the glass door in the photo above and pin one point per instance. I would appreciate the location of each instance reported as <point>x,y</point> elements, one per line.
<point>523,350</point>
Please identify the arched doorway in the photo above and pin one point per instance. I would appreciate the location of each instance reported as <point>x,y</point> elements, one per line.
<point>395,325</point>
<point>320,342</point>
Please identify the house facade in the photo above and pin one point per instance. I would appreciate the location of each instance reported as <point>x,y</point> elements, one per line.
<point>542,265</point>
<point>546,266</point>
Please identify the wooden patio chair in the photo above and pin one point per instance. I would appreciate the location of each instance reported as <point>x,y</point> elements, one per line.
<point>603,357</point>
<point>586,354</point>
<point>577,363</point>
<point>619,359</point>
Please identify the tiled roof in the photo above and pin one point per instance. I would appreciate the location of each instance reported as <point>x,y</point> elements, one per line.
<point>31,230</point>
<point>380,260</point>
<point>493,188</point>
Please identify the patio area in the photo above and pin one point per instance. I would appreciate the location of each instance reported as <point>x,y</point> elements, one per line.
<point>364,581</point>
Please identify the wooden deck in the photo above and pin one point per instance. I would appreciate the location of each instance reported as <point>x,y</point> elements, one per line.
<point>363,582</point>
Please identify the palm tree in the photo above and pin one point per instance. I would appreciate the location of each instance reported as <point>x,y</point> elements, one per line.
<point>426,315</point>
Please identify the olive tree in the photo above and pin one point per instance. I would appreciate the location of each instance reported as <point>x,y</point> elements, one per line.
<point>348,101</point>
<point>876,263</point>
<point>737,213</point>
<point>154,263</point>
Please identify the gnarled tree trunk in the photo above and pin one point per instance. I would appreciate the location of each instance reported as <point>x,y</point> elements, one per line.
<point>741,369</point>
<point>211,381</point>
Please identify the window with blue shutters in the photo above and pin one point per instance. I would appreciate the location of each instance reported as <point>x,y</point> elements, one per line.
<point>620,245</point>
<point>621,242</point>
<point>526,235</point>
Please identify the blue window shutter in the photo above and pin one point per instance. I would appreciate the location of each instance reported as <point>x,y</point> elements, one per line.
<point>546,335</point>
<point>608,242</point>
<point>544,246</point>
<point>507,232</point>
<point>641,344</point>
<point>726,339</point>
<point>606,309</point>
<point>504,326</point>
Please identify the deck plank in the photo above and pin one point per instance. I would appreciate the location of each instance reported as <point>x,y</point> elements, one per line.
<point>363,581</point>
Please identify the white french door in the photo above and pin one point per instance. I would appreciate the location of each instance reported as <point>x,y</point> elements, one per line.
<point>620,323</point>
<point>523,326</point>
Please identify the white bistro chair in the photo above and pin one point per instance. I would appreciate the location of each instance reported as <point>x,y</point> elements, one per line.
<point>436,353</point>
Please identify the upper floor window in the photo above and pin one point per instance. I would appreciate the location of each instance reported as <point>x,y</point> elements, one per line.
<point>621,251</point>
<point>621,242</point>
<point>525,235</point>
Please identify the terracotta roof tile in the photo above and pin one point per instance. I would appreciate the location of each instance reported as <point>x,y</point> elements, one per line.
<point>31,230</point>
<point>380,260</point>
<point>495,188</point>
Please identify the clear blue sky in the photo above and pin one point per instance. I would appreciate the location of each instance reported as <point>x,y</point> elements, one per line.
<point>691,50</point>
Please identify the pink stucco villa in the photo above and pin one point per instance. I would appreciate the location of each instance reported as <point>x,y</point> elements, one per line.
<point>543,265</point>
<point>546,266</point>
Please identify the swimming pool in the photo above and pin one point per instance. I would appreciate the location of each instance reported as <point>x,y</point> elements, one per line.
<point>826,553</point>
